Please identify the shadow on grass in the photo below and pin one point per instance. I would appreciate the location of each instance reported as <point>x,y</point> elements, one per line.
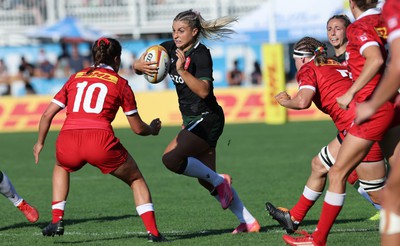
<point>315,222</point>
<point>66,222</point>
<point>96,239</point>
<point>18,226</point>
<point>170,236</point>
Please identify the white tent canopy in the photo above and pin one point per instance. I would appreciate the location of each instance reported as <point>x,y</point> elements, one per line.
<point>292,20</point>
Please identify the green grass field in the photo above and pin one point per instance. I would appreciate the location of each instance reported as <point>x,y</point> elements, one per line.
<point>266,162</point>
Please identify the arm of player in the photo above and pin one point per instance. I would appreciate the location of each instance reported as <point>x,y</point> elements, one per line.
<point>199,87</point>
<point>44,126</point>
<point>387,88</point>
<point>139,127</point>
<point>373,62</point>
<point>143,67</point>
<point>302,100</point>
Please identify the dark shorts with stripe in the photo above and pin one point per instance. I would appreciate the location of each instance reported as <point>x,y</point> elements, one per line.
<point>208,126</point>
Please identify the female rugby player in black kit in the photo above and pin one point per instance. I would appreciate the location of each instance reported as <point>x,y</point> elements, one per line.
<point>193,151</point>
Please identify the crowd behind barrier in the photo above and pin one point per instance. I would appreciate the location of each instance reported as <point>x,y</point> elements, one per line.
<point>51,64</point>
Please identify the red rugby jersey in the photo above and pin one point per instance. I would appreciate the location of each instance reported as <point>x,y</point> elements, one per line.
<point>93,100</point>
<point>368,30</point>
<point>391,16</point>
<point>328,81</point>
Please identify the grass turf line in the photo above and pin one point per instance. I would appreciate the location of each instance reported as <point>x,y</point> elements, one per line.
<point>267,163</point>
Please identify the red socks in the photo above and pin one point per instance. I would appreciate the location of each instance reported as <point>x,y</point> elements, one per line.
<point>57,210</point>
<point>146,212</point>
<point>304,204</point>
<point>149,221</point>
<point>301,208</point>
<point>331,208</point>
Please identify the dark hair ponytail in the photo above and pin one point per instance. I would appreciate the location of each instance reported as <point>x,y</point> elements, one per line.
<point>104,51</point>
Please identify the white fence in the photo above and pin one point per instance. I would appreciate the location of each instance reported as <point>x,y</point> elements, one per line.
<point>132,18</point>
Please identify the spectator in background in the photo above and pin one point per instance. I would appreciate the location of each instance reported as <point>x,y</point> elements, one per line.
<point>235,76</point>
<point>45,69</point>
<point>61,67</point>
<point>77,61</point>
<point>5,78</point>
<point>26,72</point>
<point>256,75</point>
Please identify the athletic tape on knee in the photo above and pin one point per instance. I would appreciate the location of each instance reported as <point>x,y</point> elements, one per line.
<point>326,158</point>
<point>372,185</point>
<point>389,223</point>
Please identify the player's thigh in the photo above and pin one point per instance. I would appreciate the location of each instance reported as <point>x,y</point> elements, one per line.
<point>185,144</point>
<point>391,145</point>
<point>334,147</point>
<point>128,171</point>
<point>69,151</point>
<point>207,126</point>
<point>371,170</point>
<point>352,151</point>
<point>103,150</point>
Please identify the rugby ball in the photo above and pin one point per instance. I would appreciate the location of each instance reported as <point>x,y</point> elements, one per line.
<point>158,54</point>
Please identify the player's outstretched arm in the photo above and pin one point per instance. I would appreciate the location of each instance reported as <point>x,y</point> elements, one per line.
<point>44,126</point>
<point>302,100</point>
<point>139,127</point>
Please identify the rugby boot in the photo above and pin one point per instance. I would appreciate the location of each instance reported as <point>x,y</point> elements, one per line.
<point>54,229</point>
<point>283,217</point>
<point>31,213</point>
<point>224,190</point>
<point>243,227</point>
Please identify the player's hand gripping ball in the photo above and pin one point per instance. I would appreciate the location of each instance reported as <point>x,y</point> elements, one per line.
<point>157,53</point>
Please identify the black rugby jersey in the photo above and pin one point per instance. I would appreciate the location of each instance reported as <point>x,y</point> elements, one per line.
<point>199,64</point>
<point>341,58</point>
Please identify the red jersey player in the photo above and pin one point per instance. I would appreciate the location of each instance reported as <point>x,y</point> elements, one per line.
<point>361,36</point>
<point>321,80</point>
<point>360,138</point>
<point>390,213</point>
<point>92,97</point>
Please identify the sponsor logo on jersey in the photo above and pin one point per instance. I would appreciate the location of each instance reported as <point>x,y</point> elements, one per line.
<point>382,32</point>
<point>99,75</point>
<point>187,63</point>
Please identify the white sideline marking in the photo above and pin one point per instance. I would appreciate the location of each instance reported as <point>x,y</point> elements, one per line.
<point>179,232</point>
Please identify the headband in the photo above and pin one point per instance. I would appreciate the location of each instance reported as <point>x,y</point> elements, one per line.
<point>106,41</point>
<point>301,54</point>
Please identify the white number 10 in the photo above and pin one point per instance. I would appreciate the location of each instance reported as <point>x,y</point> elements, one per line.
<point>87,98</point>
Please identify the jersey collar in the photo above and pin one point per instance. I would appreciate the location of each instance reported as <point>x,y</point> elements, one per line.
<point>187,53</point>
<point>374,11</point>
<point>102,65</point>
